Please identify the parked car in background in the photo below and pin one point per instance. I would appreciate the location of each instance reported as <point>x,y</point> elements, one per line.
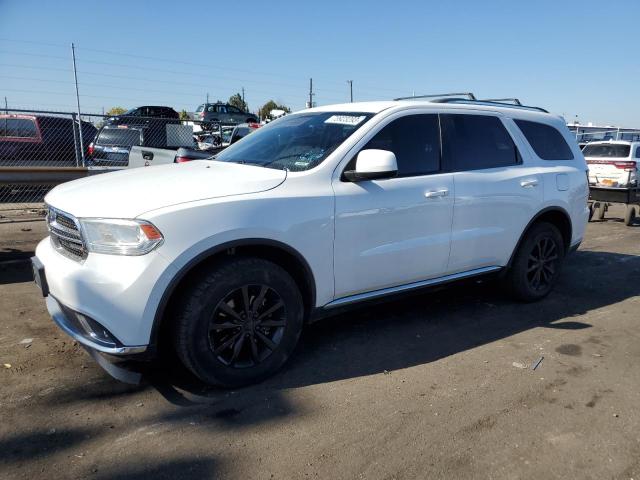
<point>237,133</point>
<point>225,261</point>
<point>112,145</point>
<point>141,115</point>
<point>217,113</point>
<point>614,172</point>
<point>40,140</point>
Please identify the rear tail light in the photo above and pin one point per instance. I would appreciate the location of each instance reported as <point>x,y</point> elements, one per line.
<point>628,166</point>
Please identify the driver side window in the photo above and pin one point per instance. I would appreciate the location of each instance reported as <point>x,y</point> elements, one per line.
<point>415,141</point>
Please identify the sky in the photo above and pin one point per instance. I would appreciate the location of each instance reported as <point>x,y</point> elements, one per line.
<point>577,59</point>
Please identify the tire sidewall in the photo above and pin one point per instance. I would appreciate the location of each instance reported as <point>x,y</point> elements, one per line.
<point>202,306</point>
<point>520,283</point>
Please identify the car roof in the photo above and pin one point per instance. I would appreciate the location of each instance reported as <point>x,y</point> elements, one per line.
<point>514,111</point>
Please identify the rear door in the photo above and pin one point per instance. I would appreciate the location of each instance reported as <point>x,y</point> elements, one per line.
<point>496,193</point>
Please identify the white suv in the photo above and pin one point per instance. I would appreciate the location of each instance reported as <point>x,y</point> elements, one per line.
<point>226,259</point>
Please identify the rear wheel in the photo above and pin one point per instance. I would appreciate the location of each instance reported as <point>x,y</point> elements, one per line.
<point>241,322</point>
<point>537,263</point>
<point>630,215</point>
<point>598,211</point>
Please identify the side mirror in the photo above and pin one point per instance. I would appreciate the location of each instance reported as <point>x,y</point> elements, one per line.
<point>373,164</point>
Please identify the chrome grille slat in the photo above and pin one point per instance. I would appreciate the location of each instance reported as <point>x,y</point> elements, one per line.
<point>65,234</point>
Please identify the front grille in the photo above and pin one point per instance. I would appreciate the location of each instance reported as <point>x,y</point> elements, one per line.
<point>65,234</point>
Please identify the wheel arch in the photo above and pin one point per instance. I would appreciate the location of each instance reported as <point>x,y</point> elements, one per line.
<point>280,253</point>
<point>556,216</point>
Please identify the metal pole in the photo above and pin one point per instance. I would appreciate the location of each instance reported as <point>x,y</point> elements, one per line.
<point>350,82</point>
<point>75,77</point>
<point>75,138</point>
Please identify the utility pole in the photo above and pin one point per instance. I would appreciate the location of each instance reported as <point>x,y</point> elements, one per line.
<point>350,82</point>
<point>75,77</point>
<point>311,94</point>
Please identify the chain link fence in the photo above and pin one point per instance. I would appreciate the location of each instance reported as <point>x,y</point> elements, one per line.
<point>40,149</point>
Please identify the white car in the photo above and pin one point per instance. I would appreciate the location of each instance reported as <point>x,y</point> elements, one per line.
<point>612,163</point>
<point>225,260</point>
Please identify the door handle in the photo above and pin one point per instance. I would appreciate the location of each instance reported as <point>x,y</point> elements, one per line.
<point>147,155</point>
<point>436,193</point>
<point>529,183</point>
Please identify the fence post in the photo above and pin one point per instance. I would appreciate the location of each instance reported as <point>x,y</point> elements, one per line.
<point>75,139</point>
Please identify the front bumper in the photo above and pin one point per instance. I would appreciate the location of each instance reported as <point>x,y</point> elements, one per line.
<point>87,333</point>
<point>116,292</point>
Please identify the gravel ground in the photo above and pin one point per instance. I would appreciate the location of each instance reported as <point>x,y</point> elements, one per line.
<point>439,385</point>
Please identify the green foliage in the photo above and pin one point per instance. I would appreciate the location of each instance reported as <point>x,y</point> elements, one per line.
<point>236,101</point>
<point>265,110</point>
<point>113,111</point>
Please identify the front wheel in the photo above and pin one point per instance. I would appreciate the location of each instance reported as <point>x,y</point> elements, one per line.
<point>537,263</point>
<point>240,323</point>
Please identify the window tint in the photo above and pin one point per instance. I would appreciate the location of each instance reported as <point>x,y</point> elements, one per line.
<point>415,140</point>
<point>472,142</point>
<point>123,137</point>
<point>545,140</point>
<point>17,127</point>
<point>613,150</point>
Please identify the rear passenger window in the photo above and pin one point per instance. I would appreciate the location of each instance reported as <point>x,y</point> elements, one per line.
<point>473,142</point>
<point>546,141</point>
<point>415,141</point>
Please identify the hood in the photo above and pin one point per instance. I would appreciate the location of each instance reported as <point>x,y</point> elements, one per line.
<point>129,193</point>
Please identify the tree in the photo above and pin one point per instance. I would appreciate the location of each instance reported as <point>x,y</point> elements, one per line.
<point>184,115</point>
<point>237,101</point>
<point>113,111</point>
<point>265,110</point>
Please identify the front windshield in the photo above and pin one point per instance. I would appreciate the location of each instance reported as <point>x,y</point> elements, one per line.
<point>296,142</point>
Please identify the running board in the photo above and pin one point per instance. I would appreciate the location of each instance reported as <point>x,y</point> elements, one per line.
<point>340,302</point>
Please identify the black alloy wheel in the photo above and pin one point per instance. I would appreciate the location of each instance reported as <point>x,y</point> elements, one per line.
<point>247,326</point>
<point>542,264</point>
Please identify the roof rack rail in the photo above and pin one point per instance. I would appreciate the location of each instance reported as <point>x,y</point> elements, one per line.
<point>465,94</point>
<point>496,102</point>
<point>515,101</point>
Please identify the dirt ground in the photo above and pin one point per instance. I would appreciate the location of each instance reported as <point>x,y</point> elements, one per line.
<point>439,385</point>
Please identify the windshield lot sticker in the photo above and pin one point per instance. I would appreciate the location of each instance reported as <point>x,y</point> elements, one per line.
<point>345,119</point>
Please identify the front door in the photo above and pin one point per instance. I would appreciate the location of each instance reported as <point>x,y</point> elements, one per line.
<point>395,231</point>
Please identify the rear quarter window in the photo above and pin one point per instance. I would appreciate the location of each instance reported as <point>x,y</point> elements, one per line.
<point>546,141</point>
<point>18,128</point>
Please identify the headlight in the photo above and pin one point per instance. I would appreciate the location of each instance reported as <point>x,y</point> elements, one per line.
<point>120,237</point>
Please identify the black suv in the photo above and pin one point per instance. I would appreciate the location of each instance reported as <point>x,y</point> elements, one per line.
<point>141,115</point>
<point>212,113</point>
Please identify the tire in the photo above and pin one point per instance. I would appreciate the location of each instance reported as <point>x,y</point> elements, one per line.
<point>630,215</point>
<point>243,350</point>
<point>598,211</point>
<point>544,242</point>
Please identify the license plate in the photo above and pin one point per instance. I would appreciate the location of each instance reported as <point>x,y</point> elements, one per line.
<point>38,276</point>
